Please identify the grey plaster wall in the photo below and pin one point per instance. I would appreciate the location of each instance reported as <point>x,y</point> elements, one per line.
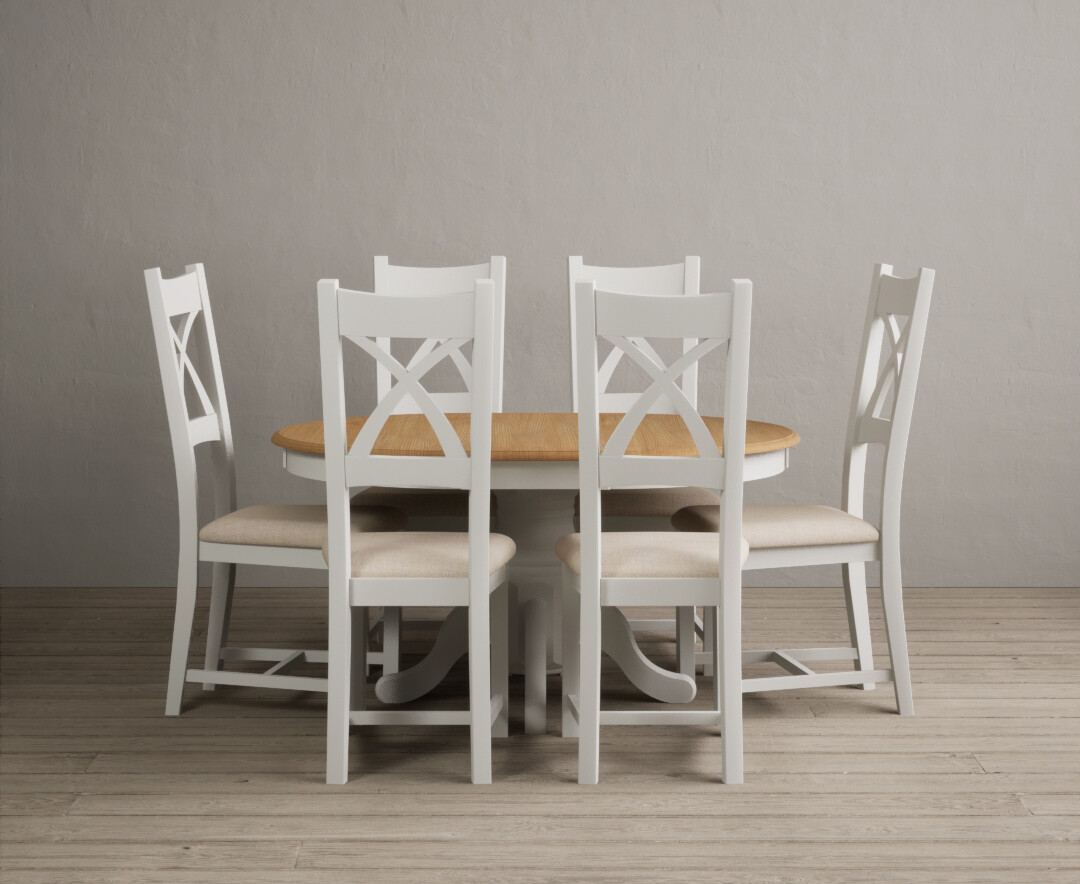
<point>793,143</point>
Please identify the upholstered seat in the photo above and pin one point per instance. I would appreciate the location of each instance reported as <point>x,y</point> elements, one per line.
<point>659,502</point>
<point>298,526</point>
<point>420,502</point>
<point>656,554</point>
<point>769,527</point>
<point>435,554</point>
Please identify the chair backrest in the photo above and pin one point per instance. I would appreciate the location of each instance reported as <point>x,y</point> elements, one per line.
<point>715,319</point>
<point>668,279</point>
<point>194,390</point>
<point>888,372</point>
<point>363,318</point>
<point>426,282</point>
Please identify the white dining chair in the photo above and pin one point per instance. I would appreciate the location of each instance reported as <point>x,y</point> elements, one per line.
<point>786,536</point>
<point>602,568</point>
<point>392,280</point>
<point>684,278</point>
<point>429,508</point>
<point>460,569</point>
<point>646,509</point>
<point>277,535</point>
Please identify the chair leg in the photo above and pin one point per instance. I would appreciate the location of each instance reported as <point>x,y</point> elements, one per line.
<point>391,640</point>
<point>500,660</point>
<point>892,595</point>
<point>858,616</point>
<point>536,617</point>
<point>516,637</point>
<point>708,621</point>
<point>708,641</point>
<point>217,630</point>
<point>480,688</point>
<point>686,640</point>
<point>339,678</point>
<point>729,658</point>
<point>361,627</point>
<point>571,657</point>
<point>187,587</point>
<point>589,692</point>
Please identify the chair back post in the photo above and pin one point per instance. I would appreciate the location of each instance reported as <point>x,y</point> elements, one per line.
<point>667,280</point>
<point>691,287</point>
<point>485,347</point>
<point>587,394</point>
<point>339,537</point>
<point>186,354</point>
<point>736,386</point>
<point>576,277</point>
<point>399,280</point>
<point>872,419</point>
<point>498,279</point>
<point>335,443</point>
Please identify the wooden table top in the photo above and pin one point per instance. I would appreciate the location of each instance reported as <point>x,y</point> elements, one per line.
<point>537,436</point>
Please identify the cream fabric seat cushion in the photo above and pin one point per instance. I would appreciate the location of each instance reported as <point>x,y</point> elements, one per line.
<point>420,554</point>
<point>420,501</point>
<point>294,525</point>
<point>659,502</point>
<point>769,527</point>
<point>649,554</point>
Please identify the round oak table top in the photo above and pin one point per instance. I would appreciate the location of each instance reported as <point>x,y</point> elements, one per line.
<point>536,436</point>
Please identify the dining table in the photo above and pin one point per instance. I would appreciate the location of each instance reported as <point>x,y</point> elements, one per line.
<point>534,472</point>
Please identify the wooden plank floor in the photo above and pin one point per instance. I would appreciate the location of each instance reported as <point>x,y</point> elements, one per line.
<point>983,784</point>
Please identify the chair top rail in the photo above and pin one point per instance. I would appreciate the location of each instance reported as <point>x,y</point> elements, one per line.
<point>667,279</point>
<point>691,316</point>
<point>368,315</point>
<point>400,281</point>
<point>181,294</point>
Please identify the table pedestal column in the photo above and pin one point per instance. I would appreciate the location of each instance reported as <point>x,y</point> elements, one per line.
<point>536,520</point>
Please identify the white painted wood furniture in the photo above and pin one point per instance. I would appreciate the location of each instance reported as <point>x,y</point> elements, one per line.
<point>461,569</point>
<point>535,472</point>
<point>425,507</point>
<point>287,536</point>
<point>430,509</point>
<point>606,569</point>
<point>669,280</point>
<point>792,536</point>
<point>646,509</point>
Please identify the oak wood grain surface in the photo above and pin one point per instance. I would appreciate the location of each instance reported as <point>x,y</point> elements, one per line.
<point>537,436</point>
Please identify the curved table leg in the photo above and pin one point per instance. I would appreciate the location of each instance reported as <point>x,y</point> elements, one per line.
<point>450,646</point>
<point>535,519</point>
<point>617,640</point>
